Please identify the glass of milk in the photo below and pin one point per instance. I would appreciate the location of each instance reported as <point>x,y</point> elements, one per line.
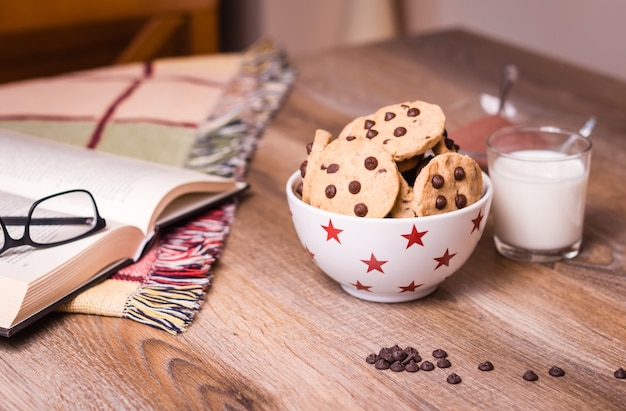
<point>540,179</point>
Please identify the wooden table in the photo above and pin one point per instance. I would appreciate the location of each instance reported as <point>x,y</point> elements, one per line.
<point>276,333</point>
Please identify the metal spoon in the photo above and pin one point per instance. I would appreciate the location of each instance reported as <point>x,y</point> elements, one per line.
<point>510,73</point>
<point>585,131</point>
<point>587,128</point>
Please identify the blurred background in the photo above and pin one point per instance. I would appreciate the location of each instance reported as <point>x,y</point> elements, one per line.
<point>43,37</point>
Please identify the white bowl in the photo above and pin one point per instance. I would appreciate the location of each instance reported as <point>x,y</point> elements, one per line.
<point>388,259</point>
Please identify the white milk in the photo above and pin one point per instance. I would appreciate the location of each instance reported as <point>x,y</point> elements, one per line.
<point>538,205</point>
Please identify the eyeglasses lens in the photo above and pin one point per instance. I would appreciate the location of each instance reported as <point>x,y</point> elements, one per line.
<point>62,217</point>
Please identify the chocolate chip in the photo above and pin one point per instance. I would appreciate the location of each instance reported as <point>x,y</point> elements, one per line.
<point>309,147</point>
<point>620,373</point>
<point>350,138</point>
<point>530,376</point>
<point>389,116</point>
<point>397,366</point>
<point>360,210</point>
<point>437,181</point>
<point>410,350</point>
<point>439,353</point>
<point>330,191</point>
<point>485,366</point>
<point>412,356</point>
<point>399,355</point>
<point>460,201</point>
<point>441,202</point>
<point>399,131</point>
<point>371,133</point>
<point>303,168</point>
<point>385,354</point>
<point>370,163</point>
<point>427,366</point>
<point>371,359</point>
<point>332,168</point>
<point>444,363</point>
<point>413,112</point>
<point>453,379</point>
<point>411,366</point>
<point>459,173</point>
<point>382,364</point>
<point>369,124</point>
<point>299,189</point>
<point>354,187</point>
<point>556,371</point>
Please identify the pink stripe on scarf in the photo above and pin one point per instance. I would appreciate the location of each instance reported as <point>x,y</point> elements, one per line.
<point>97,134</point>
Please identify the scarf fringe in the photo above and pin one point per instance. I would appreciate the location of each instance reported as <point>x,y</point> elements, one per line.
<point>173,293</point>
<point>176,286</point>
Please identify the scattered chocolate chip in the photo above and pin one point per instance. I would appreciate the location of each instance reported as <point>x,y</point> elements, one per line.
<point>369,124</point>
<point>485,366</point>
<point>556,371</point>
<point>360,210</point>
<point>439,353</point>
<point>444,363</point>
<point>459,173</point>
<point>382,364</point>
<point>460,201</point>
<point>530,376</point>
<point>350,138</point>
<point>370,163</point>
<point>299,189</point>
<point>385,354</point>
<point>427,366</point>
<point>453,379</point>
<point>441,202</point>
<point>330,191</point>
<point>372,358</point>
<point>397,366</point>
<point>399,355</point>
<point>332,168</point>
<point>411,366</point>
<point>620,373</point>
<point>309,147</point>
<point>437,181</point>
<point>399,131</point>
<point>413,112</point>
<point>414,357</point>
<point>410,350</point>
<point>371,133</point>
<point>354,187</point>
<point>303,168</point>
<point>389,116</point>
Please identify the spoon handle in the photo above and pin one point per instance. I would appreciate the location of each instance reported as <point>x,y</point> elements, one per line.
<point>509,77</point>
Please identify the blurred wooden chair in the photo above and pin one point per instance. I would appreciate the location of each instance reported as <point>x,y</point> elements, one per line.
<point>46,37</point>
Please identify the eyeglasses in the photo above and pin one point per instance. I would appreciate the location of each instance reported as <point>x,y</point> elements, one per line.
<point>54,220</point>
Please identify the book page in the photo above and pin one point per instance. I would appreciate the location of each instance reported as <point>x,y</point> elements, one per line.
<point>126,189</point>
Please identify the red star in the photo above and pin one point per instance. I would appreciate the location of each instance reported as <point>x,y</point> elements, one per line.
<point>309,252</point>
<point>331,231</point>
<point>477,221</point>
<point>410,287</point>
<point>415,237</point>
<point>374,264</point>
<point>444,259</point>
<point>360,286</point>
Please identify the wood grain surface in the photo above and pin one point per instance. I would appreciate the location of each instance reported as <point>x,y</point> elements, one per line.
<point>276,333</point>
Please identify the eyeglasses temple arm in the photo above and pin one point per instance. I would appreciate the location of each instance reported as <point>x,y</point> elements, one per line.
<point>48,220</point>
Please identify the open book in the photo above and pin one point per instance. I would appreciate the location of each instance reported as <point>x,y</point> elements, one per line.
<point>134,197</point>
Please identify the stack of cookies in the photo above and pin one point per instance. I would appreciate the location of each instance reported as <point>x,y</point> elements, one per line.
<point>396,162</point>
